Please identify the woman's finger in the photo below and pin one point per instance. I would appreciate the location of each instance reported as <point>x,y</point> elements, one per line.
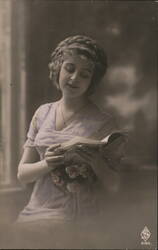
<point>55,158</point>
<point>54,153</point>
<point>53,147</point>
<point>47,154</point>
<point>59,150</point>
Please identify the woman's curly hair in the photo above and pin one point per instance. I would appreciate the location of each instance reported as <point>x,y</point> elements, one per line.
<point>85,46</point>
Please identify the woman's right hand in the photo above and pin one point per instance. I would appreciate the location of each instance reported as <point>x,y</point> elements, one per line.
<point>54,156</point>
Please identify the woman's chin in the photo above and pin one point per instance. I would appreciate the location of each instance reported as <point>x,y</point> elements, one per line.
<point>72,94</point>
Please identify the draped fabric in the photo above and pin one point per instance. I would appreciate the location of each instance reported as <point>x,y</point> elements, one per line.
<point>47,200</point>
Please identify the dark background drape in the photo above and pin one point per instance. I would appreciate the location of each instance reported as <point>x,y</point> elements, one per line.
<point>127,31</point>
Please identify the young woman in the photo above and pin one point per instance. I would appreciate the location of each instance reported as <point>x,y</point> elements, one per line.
<point>77,66</point>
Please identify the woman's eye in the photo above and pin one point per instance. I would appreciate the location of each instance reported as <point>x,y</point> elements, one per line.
<point>70,68</point>
<point>85,75</point>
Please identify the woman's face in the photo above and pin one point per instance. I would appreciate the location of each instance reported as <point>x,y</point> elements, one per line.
<point>75,75</point>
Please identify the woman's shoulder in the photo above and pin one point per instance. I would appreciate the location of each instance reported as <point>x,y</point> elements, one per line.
<point>42,111</point>
<point>44,108</point>
<point>99,113</point>
<point>106,119</point>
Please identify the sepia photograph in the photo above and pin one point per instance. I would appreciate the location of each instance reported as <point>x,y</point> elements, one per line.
<point>78,124</point>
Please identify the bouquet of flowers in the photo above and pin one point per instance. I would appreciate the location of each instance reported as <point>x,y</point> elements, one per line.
<point>75,173</point>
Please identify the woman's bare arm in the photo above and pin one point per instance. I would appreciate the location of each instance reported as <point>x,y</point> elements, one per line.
<point>31,168</point>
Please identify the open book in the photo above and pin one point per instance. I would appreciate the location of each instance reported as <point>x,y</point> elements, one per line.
<point>111,139</point>
<point>75,173</point>
<point>111,147</point>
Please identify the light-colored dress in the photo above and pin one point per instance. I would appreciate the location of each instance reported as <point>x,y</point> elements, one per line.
<point>47,200</point>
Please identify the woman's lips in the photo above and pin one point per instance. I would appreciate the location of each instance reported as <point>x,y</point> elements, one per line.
<point>71,86</point>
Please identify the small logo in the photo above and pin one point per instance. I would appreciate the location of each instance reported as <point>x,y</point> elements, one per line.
<point>145,235</point>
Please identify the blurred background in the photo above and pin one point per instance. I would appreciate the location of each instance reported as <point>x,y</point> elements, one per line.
<point>29,31</point>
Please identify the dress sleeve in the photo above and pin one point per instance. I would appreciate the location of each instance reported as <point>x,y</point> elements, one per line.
<point>33,129</point>
<point>35,124</point>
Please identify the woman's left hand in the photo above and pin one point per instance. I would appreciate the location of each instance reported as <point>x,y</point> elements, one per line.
<point>54,156</point>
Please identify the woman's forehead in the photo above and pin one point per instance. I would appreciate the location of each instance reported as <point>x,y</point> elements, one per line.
<point>78,58</point>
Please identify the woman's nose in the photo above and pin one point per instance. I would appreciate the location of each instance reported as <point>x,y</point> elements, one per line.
<point>74,76</point>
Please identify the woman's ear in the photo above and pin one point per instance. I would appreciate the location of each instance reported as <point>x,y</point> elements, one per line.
<point>57,80</point>
<point>54,81</point>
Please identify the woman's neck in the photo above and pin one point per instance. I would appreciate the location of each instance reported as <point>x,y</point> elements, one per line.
<point>74,104</point>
